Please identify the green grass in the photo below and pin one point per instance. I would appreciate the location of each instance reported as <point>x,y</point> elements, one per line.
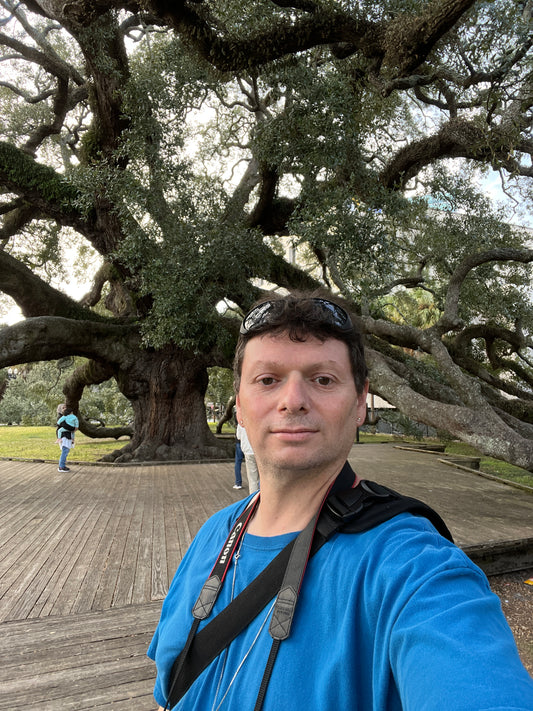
<point>492,466</point>
<point>227,428</point>
<point>39,443</point>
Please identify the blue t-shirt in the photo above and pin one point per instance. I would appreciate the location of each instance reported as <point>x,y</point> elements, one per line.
<point>392,619</point>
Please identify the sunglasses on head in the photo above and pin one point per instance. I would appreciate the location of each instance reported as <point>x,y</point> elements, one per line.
<point>261,315</point>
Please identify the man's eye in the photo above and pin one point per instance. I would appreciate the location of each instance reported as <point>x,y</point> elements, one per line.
<point>324,380</point>
<point>267,381</point>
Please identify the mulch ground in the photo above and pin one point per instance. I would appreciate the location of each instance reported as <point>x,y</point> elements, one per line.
<point>516,597</point>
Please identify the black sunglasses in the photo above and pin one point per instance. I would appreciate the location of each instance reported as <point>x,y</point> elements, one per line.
<point>333,315</point>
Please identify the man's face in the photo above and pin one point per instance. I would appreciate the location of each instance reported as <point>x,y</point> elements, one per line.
<point>299,404</point>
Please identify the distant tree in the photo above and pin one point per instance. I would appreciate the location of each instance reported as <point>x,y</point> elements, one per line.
<point>32,395</point>
<point>220,388</point>
<point>198,146</point>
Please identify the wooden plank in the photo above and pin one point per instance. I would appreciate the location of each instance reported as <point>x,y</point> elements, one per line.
<point>88,682</point>
<point>55,553</point>
<point>123,592</point>
<point>31,509</point>
<point>65,574</point>
<point>98,566</point>
<point>160,541</point>
<point>79,661</point>
<point>100,625</point>
<point>142,580</point>
<point>74,573</point>
<point>105,595</point>
<point>17,580</point>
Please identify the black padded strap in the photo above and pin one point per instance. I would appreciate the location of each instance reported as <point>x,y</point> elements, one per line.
<point>212,639</point>
<point>370,504</point>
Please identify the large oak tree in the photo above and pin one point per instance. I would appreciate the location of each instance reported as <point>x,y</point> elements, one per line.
<point>208,151</point>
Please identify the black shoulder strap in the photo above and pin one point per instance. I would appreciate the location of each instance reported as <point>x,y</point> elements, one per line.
<point>212,639</point>
<point>350,511</point>
<point>65,425</point>
<point>369,504</point>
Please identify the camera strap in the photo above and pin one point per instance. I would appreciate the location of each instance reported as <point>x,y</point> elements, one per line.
<point>346,508</point>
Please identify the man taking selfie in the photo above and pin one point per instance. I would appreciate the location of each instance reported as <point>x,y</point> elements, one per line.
<point>322,591</point>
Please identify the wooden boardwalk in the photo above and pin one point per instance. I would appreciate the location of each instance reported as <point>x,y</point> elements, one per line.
<point>87,557</point>
<point>98,537</point>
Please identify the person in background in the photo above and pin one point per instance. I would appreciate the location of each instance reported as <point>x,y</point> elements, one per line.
<point>252,473</point>
<point>67,425</point>
<point>239,457</point>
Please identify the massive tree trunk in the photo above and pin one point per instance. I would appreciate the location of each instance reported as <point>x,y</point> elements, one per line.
<point>166,389</point>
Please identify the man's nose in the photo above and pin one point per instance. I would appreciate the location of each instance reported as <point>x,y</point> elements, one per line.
<point>294,396</point>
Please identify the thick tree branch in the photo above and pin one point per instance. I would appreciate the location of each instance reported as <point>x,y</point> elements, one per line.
<point>108,81</point>
<point>50,338</point>
<point>91,373</point>
<point>458,138</point>
<point>101,277</point>
<point>51,195</point>
<point>34,296</point>
<point>60,110</point>
<point>450,319</point>
<point>521,404</point>
<point>50,63</point>
<point>409,39</point>
<point>402,45</point>
<point>465,422</point>
<point>19,214</point>
<point>227,52</point>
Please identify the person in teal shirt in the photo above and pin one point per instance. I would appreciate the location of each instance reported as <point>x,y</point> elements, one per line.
<point>67,424</point>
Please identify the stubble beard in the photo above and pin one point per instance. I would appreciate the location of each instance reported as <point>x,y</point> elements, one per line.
<point>304,468</point>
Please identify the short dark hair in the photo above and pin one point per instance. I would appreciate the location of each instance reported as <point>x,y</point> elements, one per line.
<point>301,315</point>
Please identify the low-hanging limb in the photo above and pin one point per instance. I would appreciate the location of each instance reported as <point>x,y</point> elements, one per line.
<point>91,373</point>
<point>54,337</point>
<point>478,425</point>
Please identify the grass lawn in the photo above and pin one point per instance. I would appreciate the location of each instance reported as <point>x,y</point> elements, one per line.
<point>493,466</point>
<point>39,443</point>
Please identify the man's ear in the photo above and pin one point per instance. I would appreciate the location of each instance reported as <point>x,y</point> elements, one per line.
<point>238,407</point>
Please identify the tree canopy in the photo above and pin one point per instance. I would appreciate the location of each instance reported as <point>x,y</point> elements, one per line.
<point>197,154</point>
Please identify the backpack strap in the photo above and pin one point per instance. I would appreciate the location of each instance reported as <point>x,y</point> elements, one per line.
<point>369,504</point>
<point>64,425</point>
